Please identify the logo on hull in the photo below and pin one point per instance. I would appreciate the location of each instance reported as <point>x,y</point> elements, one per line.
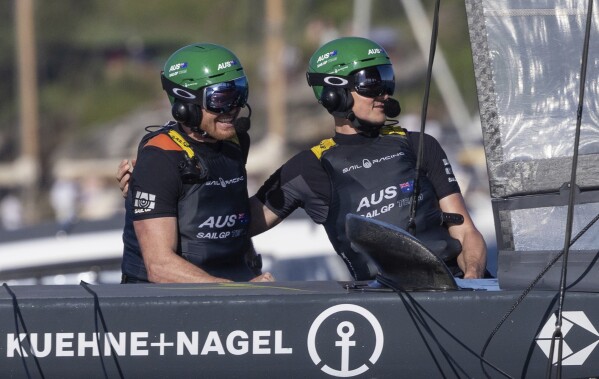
<point>571,322</point>
<point>354,329</point>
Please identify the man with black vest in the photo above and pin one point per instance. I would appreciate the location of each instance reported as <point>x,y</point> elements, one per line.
<point>369,168</point>
<point>187,208</point>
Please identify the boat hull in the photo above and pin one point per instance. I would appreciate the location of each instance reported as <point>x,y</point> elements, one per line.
<point>293,329</point>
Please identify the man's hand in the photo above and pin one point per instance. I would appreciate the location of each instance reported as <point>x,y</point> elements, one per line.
<point>123,175</point>
<point>266,277</point>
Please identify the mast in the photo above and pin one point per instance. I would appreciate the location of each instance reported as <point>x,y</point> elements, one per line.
<point>361,17</point>
<point>269,151</point>
<point>26,168</point>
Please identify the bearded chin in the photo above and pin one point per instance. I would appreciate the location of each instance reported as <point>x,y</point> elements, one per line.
<point>222,134</point>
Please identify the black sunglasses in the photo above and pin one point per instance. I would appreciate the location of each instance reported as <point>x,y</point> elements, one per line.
<point>370,82</point>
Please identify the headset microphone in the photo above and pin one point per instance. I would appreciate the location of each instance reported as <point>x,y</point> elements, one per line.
<point>391,108</point>
<point>242,124</point>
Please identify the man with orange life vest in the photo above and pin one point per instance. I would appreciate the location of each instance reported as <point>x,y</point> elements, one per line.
<point>368,168</point>
<point>187,209</point>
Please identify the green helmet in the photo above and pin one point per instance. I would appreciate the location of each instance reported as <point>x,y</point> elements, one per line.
<point>200,65</point>
<point>344,56</point>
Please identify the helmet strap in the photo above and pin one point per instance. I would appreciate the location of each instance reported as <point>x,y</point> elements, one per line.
<point>392,109</point>
<point>348,114</point>
<point>364,127</point>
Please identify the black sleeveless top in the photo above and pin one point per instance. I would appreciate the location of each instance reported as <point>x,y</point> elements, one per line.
<point>376,180</point>
<point>212,212</point>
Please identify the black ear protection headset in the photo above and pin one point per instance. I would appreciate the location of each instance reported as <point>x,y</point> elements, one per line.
<point>185,109</point>
<point>336,96</point>
<point>187,114</point>
<point>337,101</point>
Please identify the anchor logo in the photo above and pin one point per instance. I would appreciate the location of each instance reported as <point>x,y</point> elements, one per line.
<point>570,320</point>
<point>345,340</point>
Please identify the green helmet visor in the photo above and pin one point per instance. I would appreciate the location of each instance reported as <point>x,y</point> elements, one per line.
<point>370,82</point>
<point>218,98</point>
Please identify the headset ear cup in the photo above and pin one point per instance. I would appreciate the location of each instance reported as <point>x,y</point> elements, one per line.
<point>329,98</point>
<point>179,111</point>
<point>187,113</point>
<point>336,100</point>
<point>348,101</point>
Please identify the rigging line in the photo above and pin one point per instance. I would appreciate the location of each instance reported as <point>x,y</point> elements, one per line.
<point>98,312</point>
<point>100,340</point>
<point>569,220</point>
<point>421,312</point>
<point>19,320</point>
<point>418,320</point>
<point>431,58</point>
<point>534,283</point>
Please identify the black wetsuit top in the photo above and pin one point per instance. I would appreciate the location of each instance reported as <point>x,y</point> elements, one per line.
<point>303,182</point>
<point>212,212</point>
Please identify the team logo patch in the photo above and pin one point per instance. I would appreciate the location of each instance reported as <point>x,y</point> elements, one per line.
<point>144,202</point>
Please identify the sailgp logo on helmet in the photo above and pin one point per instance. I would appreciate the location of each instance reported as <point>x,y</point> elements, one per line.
<point>324,58</point>
<point>327,55</point>
<point>177,66</point>
<point>374,51</point>
<point>227,64</point>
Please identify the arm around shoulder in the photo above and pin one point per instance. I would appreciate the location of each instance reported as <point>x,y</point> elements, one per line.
<point>262,218</point>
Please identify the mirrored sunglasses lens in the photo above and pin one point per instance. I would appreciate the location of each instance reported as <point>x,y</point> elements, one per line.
<point>375,81</point>
<point>223,97</point>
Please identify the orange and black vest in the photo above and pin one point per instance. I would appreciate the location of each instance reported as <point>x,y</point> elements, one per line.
<point>213,211</point>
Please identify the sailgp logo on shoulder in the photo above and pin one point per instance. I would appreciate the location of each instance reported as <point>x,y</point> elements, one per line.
<point>353,327</point>
<point>144,202</point>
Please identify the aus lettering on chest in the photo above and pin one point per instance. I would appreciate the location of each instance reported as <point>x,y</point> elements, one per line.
<point>376,198</point>
<point>218,222</point>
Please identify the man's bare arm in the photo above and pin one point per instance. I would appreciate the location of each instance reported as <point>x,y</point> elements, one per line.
<point>473,258</point>
<point>158,241</point>
<point>262,217</point>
